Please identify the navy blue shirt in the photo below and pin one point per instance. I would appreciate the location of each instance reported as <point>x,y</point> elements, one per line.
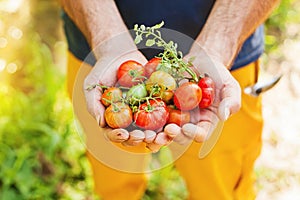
<point>186,17</point>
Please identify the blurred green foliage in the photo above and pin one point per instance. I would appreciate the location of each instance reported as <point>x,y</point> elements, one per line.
<point>41,154</point>
<point>276,26</point>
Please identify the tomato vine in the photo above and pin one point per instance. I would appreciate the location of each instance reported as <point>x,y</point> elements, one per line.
<point>172,59</point>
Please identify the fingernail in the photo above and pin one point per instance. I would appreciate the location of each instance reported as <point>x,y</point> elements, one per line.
<point>98,119</point>
<point>226,113</point>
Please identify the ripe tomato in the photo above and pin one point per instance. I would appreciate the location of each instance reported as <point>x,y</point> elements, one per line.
<point>112,94</point>
<point>161,84</point>
<point>187,96</point>
<point>178,117</point>
<point>130,73</point>
<point>208,91</point>
<point>167,95</point>
<point>118,115</point>
<point>151,66</point>
<point>151,115</point>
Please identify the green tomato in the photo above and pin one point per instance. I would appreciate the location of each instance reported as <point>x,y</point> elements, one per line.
<point>136,93</point>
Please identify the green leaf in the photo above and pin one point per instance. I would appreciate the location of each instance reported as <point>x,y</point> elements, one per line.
<point>9,193</point>
<point>159,44</point>
<point>138,39</point>
<point>135,28</point>
<point>158,26</point>
<point>170,46</point>
<point>142,27</point>
<point>150,42</point>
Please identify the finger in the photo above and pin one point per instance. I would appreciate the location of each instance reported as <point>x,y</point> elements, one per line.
<point>182,139</point>
<point>195,115</point>
<point>154,147</point>
<point>136,137</point>
<point>172,130</point>
<point>207,114</point>
<point>231,100</point>
<point>197,132</point>
<point>159,130</point>
<point>149,136</point>
<point>175,132</point>
<point>117,135</point>
<point>94,106</point>
<point>100,110</point>
<point>162,139</point>
<point>208,128</point>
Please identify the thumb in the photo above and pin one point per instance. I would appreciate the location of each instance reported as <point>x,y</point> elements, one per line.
<point>94,106</point>
<point>100,118</point>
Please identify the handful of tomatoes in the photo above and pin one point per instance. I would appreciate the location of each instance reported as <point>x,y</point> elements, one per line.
<point>162,91</point>
<point>149,98</point>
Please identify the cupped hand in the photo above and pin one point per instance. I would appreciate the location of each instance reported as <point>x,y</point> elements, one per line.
<point>227,100</point>
<point>104,73</point>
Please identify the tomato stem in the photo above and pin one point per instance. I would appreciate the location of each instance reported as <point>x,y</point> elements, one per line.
<point>116,108</point>
<point>96,85</point>
<point>170,50</point>
<point>108,101</point>
<point>124,88</point>
<point>136,76</point>
<point>149,107</point>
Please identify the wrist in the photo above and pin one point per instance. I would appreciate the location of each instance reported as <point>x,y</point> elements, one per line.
<point>220,47</point>
<point>113,44</point>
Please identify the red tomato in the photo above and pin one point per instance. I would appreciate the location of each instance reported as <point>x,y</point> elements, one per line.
<point>178,117</point>
<point>187,96</point>
<point>112,94</point>
<point>130,73</point>
<point>151,116</point>
<point>151,66</point>
<point>208,91</point>
<point>118,115</point>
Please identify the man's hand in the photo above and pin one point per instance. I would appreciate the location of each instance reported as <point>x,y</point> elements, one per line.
<point>227,100</point>
<point>104,73</point>
<point>222,36</point>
